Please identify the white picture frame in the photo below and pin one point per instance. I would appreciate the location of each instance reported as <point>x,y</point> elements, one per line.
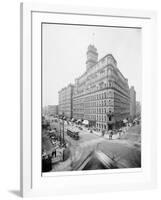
<point>32,181</point>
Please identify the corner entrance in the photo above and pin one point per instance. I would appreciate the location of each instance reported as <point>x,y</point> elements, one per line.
<point>110,126</point>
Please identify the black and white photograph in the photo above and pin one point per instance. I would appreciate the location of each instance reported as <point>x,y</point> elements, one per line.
<point>91,97</point>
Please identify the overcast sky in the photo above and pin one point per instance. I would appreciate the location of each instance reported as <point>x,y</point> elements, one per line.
<point>64,55</point>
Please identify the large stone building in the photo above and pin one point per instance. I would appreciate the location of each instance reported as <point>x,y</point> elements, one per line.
<point>132,102</point>
<point>101,94</point>
<point>52,110</point>
<point>65,101</point>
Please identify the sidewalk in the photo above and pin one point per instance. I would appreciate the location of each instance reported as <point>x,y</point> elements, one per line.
<point>61,166</point>
<point>67,165</point>
<point>114,137</point>
<point>76,155</point>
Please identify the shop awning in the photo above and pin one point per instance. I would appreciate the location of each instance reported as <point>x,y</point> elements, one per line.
<point>125,121</point>
<point>86,122</point>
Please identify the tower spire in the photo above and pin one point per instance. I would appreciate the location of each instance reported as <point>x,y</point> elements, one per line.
<point>92,56</point>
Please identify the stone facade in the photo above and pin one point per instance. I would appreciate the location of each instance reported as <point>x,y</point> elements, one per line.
<point>132,102</point>
<point>65,101</point>
<point>101,94</point>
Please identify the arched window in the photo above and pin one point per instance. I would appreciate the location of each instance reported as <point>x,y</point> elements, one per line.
<point>110,84</point>
<point>105,95</point>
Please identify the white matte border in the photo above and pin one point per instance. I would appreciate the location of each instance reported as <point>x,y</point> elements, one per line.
<point>32,182</point>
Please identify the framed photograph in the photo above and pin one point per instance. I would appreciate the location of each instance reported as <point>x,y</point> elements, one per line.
<point>88,99</point>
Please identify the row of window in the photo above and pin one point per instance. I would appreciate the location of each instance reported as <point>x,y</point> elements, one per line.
<point>99,71</point>
<point>104,103</point>
<point>100,126</point>
<point>99,110</point>
<point>102,110</point>
<point>104,95</point>
<point>98,118</point>
<point>102,85</point>
<point>99,96</point>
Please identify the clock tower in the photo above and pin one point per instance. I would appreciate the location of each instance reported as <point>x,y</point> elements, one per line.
<point>92,56</point>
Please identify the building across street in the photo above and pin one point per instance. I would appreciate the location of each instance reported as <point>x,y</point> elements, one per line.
<point>50,110</point>
<point>132,102</point>
<point>53,110</point>
<point>66,101</point>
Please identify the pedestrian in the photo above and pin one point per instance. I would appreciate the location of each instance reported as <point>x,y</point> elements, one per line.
<point>54,153</point>
<point>119,134</point>
<point>110,134</point>
<point>103,133</point>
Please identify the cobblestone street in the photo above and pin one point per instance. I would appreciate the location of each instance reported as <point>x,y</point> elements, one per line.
<point>124,151</point>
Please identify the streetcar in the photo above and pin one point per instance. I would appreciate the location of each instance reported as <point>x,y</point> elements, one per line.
<point>73,134</point>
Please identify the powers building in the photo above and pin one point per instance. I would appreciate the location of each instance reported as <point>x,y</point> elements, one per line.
<point>101,94</point>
